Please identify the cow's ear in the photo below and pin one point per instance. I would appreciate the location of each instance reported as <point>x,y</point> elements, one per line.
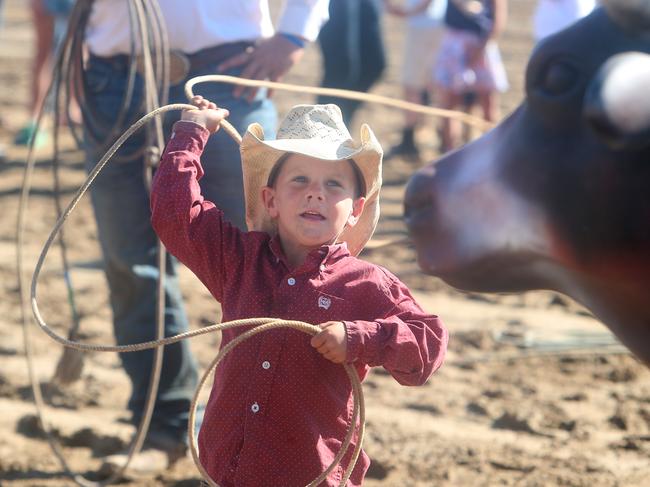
<point>617,101</point>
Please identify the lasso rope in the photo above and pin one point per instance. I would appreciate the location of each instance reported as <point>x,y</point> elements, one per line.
<point>356,386</point>
<point>145,17</point>
<point>353,95</point>
<point>156,343</point>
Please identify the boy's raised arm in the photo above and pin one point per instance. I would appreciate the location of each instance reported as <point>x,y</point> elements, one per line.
<point>191,227</point>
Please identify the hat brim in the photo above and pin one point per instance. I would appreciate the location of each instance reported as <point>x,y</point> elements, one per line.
<point>259,156</point>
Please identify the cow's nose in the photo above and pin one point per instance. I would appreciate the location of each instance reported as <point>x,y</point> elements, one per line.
<point>418,193</point>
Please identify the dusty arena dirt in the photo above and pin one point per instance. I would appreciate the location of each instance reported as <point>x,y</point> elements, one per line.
<point>516,404</point>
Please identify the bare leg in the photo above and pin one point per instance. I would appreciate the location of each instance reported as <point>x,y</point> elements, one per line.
<point>451,128</point>
<point>413,95</point>
<point>489,102</point>
<point>407,147</point>
<point>41,68</point>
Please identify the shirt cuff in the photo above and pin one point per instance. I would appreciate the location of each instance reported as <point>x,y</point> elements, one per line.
<point>360,343</point>
<point>187,135</point>
<point>304,18</point>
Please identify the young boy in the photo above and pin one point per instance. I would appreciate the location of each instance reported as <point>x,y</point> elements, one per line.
<point>281,404</point>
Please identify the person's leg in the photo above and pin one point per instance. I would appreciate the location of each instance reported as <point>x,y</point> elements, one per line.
<point>450,128</point>
<point>468,101</point>
<point>453,78</point>
<point>371,54</point>
<point>489,103</point>
<point>494,81</point>
<point>490,80</point>
<point>407,147</point>
<point>418,61</point>
<point>61,10</point>
<point>121,204</point>
<point>3,155</point>
<point>411,119</point>
<point>339,50</point>
<point>413,95</point>
<point>41,69</point>
<point>43,23</point>
<point>353,51</point>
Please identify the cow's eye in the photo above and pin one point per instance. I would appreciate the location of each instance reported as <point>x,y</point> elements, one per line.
<point>558,78</point>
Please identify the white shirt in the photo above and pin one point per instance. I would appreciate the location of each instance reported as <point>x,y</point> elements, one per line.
<point>195,24</point>
<point>554,15</point>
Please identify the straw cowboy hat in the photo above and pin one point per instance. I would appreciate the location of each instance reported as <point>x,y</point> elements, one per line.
<point>316,131</point>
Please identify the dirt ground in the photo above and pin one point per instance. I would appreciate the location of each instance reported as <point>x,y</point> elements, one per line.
<point>517,404</point>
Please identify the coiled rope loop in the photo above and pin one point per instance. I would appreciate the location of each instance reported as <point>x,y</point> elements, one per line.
<point>263,324</point>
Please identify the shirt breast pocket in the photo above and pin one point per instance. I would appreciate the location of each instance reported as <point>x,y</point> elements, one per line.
<point>327,307</point>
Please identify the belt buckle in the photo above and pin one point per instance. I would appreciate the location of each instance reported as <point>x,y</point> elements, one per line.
<point>179,66</point>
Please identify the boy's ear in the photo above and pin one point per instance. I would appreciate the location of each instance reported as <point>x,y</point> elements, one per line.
<point>357,208</point>
<point>268,200</point>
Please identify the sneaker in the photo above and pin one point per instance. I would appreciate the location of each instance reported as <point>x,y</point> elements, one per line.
<point>159,452</point>
<point>406,151</point>
<point>26,133</point>
<point>175,447</point>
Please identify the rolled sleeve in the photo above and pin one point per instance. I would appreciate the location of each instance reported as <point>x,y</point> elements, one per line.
<point>304,18</point>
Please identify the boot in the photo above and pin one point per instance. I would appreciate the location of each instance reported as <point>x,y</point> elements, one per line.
<point>406,149</point>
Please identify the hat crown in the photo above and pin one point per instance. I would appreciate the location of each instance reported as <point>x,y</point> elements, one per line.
<point>320,122</point>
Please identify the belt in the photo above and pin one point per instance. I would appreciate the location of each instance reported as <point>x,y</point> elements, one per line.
<point>180,63</point>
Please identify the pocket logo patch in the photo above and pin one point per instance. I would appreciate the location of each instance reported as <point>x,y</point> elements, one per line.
<point>324,302</point>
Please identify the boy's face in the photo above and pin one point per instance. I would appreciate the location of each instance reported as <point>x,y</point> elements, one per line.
<point>313,201</point>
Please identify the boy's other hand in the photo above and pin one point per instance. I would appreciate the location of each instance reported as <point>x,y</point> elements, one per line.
<point>208,114</point>
<point>331,342</point>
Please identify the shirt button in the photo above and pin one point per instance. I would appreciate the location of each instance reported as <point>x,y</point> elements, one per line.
<point>266,365</point>
<point>322,267</point>
<point>255,407</point>
<point>291,281</point>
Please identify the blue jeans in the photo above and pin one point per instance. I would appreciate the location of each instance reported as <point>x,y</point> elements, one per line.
<point>128,242</point>
<point>353,51</point>
<point>58,7</point>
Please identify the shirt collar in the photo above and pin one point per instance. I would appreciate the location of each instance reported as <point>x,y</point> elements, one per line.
<point>324,255</point>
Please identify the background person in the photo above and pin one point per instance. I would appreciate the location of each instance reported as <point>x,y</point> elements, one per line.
<point>216,36</point>
<point>424,29</point>
<point>352,50</point>
<point>49,18</point>
<point>470,61</point>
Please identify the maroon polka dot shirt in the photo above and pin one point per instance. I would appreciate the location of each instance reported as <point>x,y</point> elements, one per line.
<point>278,411</point>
